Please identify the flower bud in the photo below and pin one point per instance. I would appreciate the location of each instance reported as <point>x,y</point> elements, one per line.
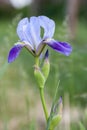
<point>57,111</point>
<point>55,121</point>
<point>46,65</point>
<point>39,76</point>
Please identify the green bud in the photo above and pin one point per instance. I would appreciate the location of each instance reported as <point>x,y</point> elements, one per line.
<point>39,76</point>
<point>57,114</point>
<point>46,66</point>
<point>55,121</point>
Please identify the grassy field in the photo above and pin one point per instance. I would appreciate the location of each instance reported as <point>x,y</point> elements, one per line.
<point>20,107</point>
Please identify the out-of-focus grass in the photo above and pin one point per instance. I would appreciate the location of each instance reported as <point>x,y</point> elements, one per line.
<point>18,92</point>
<point>72,70</point>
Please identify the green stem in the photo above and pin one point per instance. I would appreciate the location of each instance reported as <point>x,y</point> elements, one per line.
<point>43,103</point>
<point>37,61</point>
<point>42,92</point>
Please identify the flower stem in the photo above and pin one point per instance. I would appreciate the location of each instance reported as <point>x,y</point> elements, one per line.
<point>37,61</point>
<point>43,103</point>
<point>42,92</point>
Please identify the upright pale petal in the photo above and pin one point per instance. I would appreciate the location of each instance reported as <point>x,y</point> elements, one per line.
<point>21,29</point>
<point>61,47</point>
<point>48,25</point>
<point>35,31</point>
<point>23,33</point>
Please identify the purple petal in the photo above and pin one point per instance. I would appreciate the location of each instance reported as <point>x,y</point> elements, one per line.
<point>48,25</point>
<point>14,52</point>
<point>61,47</point>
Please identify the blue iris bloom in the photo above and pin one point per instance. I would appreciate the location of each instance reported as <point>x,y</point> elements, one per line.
<point>30,31</point>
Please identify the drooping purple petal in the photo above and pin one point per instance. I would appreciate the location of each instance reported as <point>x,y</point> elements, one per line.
<point>61,47</point>
<point>48,25</point>
<point>14,52</point>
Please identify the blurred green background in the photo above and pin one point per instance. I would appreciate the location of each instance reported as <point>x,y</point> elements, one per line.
<point>20,106</point>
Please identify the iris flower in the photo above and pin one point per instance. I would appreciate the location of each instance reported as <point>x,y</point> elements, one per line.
<point>34,34</point>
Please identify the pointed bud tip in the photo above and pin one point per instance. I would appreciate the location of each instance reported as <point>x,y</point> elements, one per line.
<point>60,100</point>
<point>46,54</point>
